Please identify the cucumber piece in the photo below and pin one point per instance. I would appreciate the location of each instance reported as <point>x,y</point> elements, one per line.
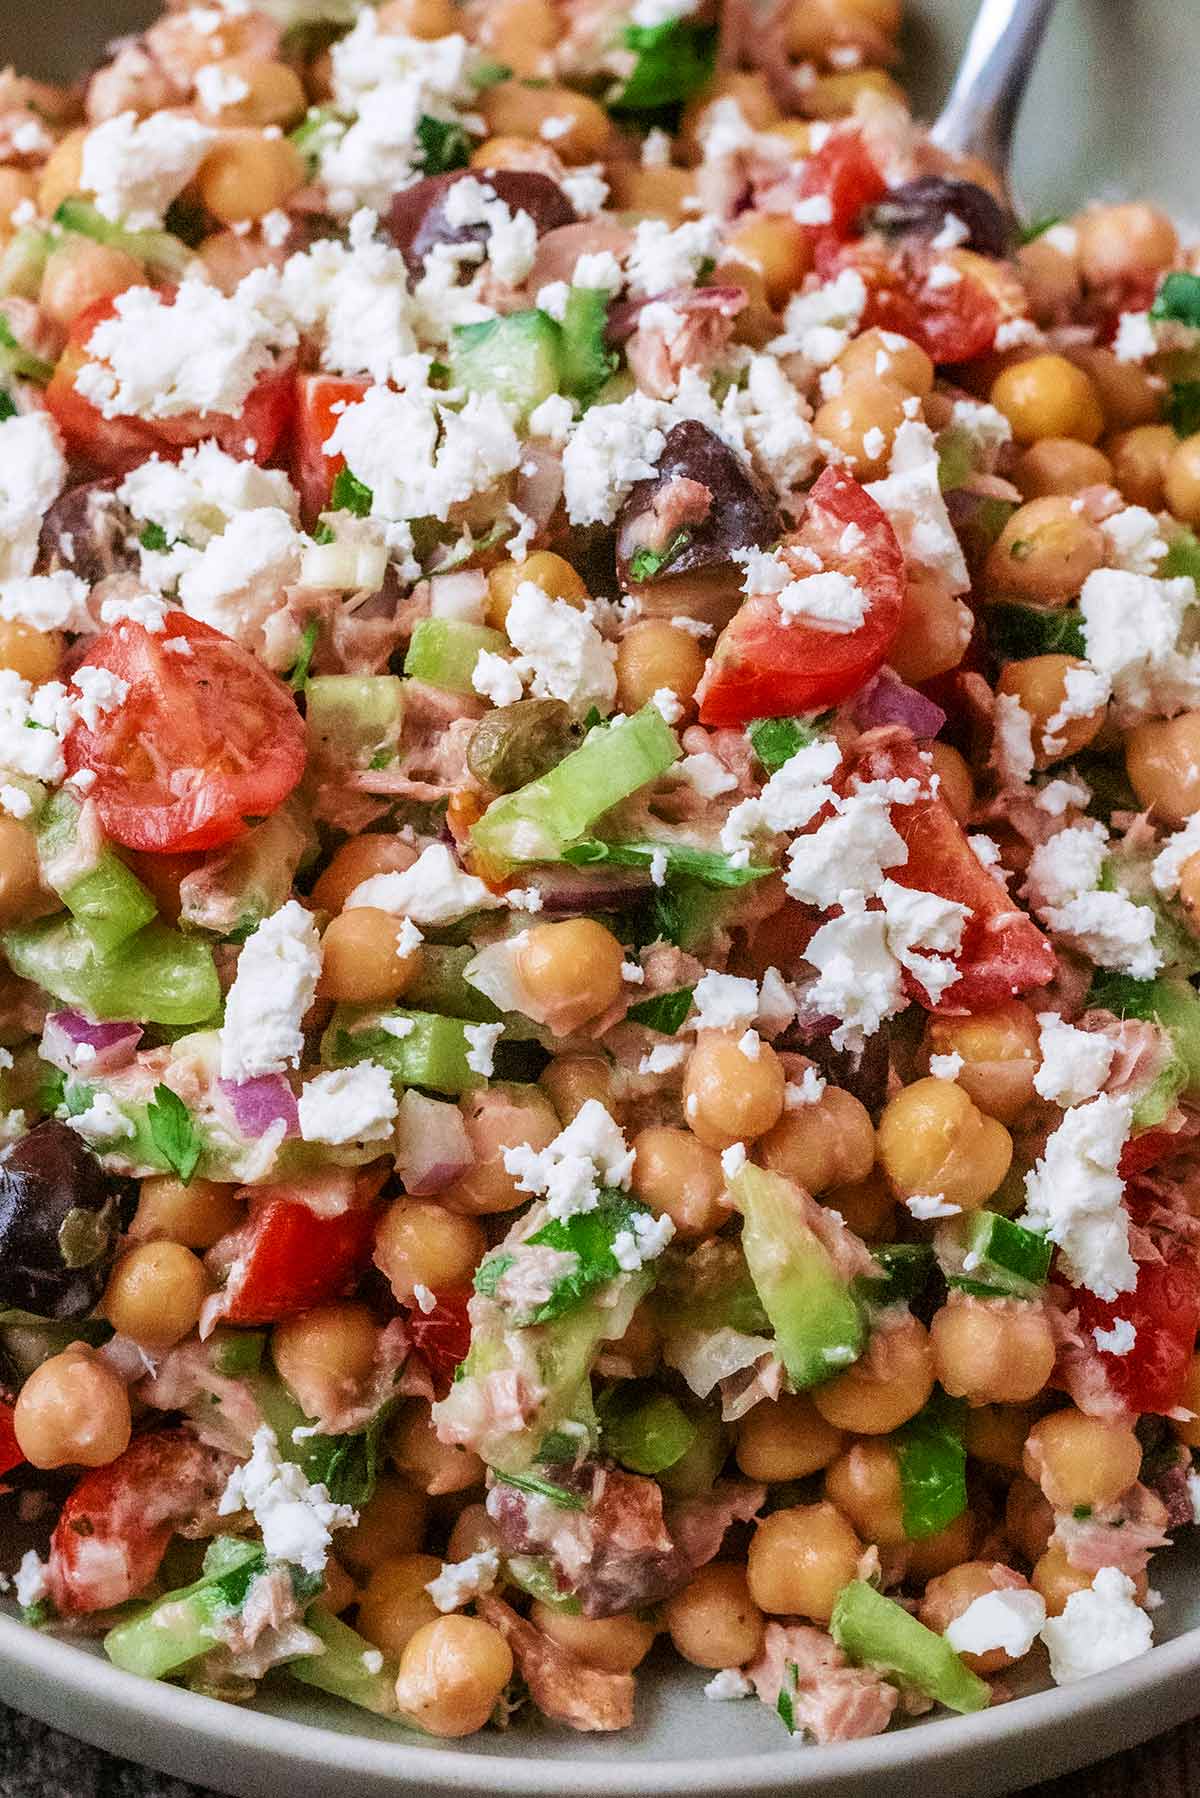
<point>107,899</point>
<point>991,1255</point>
<point>519,357</point>
<point>904,1267</point>
<point>441,985</point>
<point>355,720</point>
<point>933,1468</point>
<point>156,976</point>
<point>874,1631</point>
<point>648,1432</point>
<point>444,651</point>
<point>184,1625</point>
<point>1172,1004</point>
<point>587,361</point>
<point>157,250</point>
<point>343,1669</point>
<point>433,1054</point>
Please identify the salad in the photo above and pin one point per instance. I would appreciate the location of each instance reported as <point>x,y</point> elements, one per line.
<point>599,872</point>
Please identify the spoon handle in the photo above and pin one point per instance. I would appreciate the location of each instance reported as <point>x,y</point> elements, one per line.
<point>979,115</point>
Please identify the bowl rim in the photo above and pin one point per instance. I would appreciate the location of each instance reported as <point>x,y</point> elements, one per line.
<point>67,1665</point>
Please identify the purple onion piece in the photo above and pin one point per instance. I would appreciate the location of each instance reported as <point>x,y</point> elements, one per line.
<point>887,700</point>
<point>257,1104</point>
<point>113,1045</point>
<point>568,891</point>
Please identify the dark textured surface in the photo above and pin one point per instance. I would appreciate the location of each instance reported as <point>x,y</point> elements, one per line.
<point>36,1762</point>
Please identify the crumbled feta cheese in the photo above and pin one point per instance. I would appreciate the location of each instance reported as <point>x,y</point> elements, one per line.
<point>662,258</point>
<point>355,300</point>
<point>552,419</point>
<point>102,1122</point>
<point>1085,692</point>
<point>426,1300</point>
<point>136,167</point>
<point>32,472</point>
<point>15,801</point>
<point>353,1104</point>
<point>372,1660</point>
<point>911,495</point>
<point>707,774</point>
<point>1075,1063</point>
<point>1058,796</point>
<point>276,982</point>
<point>497,678</point>
<point>586,188</point>
<point>46,602</point>
<point>644,1241</point>
<point>666,703</point>
<point>1140,633</point>
<point>728,1683</point>
<point>815,209</point>
<point>433,891</point>
<point>565,654</point>
<point>1134,541</point>
<point>1063,885</point>
<point>926,1206</point>
<point>237,582</point>
<point>849,850</point>
<point>460,1582</point>
<point>511,236</point>
<point>30,1581</point>
<point>482,1039</point>
<point>296,1519</point>
<point>1074,1193</point>
<point>805,1091</point>
<point>985,427</point>
<point>597,268</point>
<point>792,797</point>
<point>830,600</point>
<point>1008,1619</point>
<point>99,691</point>
<point>820,324</point>
<point>418,456</point>
<point>725,1001</point>
<point>1169,863</point>
<point>196,497</point>
<point>591,1152</point>
<point>612,448</point>
<point>633,973</point>
<point>750,1045</point>
<point>1118,1340</point>
<point>1100,1627</point>
<point>1135,340</point>
<point>946,1067</point>
<point>733,1160</point>
<point>664,1058</point>
<point>859,979</point>
<point>218,88</point>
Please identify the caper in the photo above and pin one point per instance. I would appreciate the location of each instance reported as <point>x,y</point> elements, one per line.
<point>514,744</point>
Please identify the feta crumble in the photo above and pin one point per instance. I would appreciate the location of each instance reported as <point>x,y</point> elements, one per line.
<point>276,982</point>
<point>296,1519</point>
<point>1100,1627</point>
<point>1075,1063</point>
<point>591,1152</point>
<point>482,1040</point>
<point>1073,1194</point>
<point>460,1582</point>
<point>352,1104</point>
<point>434,891</point>
<point>1009,1619</point>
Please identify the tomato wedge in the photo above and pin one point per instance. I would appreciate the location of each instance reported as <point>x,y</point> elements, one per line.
<point>1003,952</point>
<point>202,741</point>
<point>441,1337</point>
<point>1164,1309</point>
<point>768,666</point>
<point>320,401</point>
<point>116,445</point>
<point>10,1449</point>
<point>956,322</point>
<point>846,174</point>
<point>291,1256</point>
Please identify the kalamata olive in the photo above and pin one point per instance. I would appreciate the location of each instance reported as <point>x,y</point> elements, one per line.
<point>60,1216</point>
<point>920,209</point>
<point>416,219</point>
<point>701,505</point>
<point>514,744</point>
<point>88,533</point>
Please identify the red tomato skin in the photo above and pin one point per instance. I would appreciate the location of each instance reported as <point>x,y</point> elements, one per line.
<point>314,421</point>
<point>1003,952</point>
<point>291,1257</point>
<point>186,707</point>
<point>10,1448</point>
<point>441,1337</point>
<point>763,667</point>
<point>1164,1309</point>
<point>843,170</point>
<point>952,324</point>
<point>116,445</point>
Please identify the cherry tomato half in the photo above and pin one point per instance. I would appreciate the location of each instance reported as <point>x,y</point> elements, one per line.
<point>1164,1309</point>
<point>202,741</point>
<point>314,422</point>
<point>441,1337</point>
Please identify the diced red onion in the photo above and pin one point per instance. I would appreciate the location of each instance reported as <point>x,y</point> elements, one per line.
<point>566,890</point>
<point>432,1148</point>
<point>113,1045</point>
<point>257,1104</point>
<point>887,700</point>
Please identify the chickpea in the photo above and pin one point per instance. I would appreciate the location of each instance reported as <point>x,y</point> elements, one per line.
<point>786,1440</point>
<point>34,655</point>
<point>395,1604</point>
<point>1028,1517</point>
<point>1045,552</point>
<point>391,1522</point>
<point>1139,459</point>
<point>155,1293</point>
<point>62,173</point>
<point>72,1410</point>
<point>1051,277</point>
<point>326,1355</point>
<point>933,1139</point>
<point>777,247</point>
<point>420,1243</point>
<point>519,33</point>
<point>650,192</point>
<point>419,18</point>
<point>1080,1460</point>
<point>552,573</point>
<point>992,1351</point>
<point>339,1591</point>
<point>452,1672</point>
<point>571,971</point>
<point>861,422</point>
<point>822,1145</point>
<point>613,1644</point>
<point>571,1080</point>
<point>957,786</point>
<point>1129,394</point>
<point>21,891</point>
<point>1181,484</point>
<point>864,1483</point>
<point>358,860</point>
<point>80,272</point>
<point>1058,465</point>
<point>1188,1429</point>
<point>1056,1579</point>
<point>362,962</point>
<point>273,94</point>
<point>677,1175</point>
<point>754,100</point>
<point>1000,1055</point>
<point>951,1593</point>
<point>432,1466</point>
<point>1047,396</point>
<point>1046,684</point>
<point>714,1622</point>
<point>867,1207</point>
<point>1122,241</point>
<point>512,108</point>
<point>196,1215</point>
<point>248,174</point>
<point>473,1530</point>
<point>800,1559</point>
<point>727,1096</point>
<point>995,1434</point>
<point>935,629</point>
<point>525,153</point>
<point>883,1390</point>
<point>496,1120</point>
<point>932,1555</point>
<point>1162,760</point>
<point>654,654</point>
<point>877,355</point>
<point>835,96</point>
<point>1189,888</point>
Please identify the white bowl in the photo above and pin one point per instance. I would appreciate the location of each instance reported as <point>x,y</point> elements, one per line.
<point>1110,111</point>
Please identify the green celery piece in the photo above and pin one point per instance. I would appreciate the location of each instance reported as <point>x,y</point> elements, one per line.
<point>818,1325</point>
<point>707,866</point>
<point>433,1055</point>
<point>956,457</point>
<point>933,1464</point>
<point>234,889</point>
<point>353,719</point>
<point>1016,632</point>
<point>234,1352</point>
<point>183,1625</point>
<point>155,977</point>
<point>999,1256</point>
<point>874,1631</point>
<point>674,61</point>
<point>648,1433</point>
<point>539,821</point>
<point>158,250</point>
<point>1179,299</point>
<point>1173,1004</point>
<point>518,357</point>
<point>904,1268</point>
<point>341,1670</point>
<point>776,740</point>
<point>444,651</point>
<point>586,359</point>
<point>665,1012</point>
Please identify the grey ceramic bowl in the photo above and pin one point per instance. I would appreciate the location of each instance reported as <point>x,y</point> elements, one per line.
<point>1110,111</point>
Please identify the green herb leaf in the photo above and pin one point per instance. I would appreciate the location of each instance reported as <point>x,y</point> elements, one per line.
<point>787,1692</point>
<point>665,1012</point>
<point>904,1268</point>
<point>1183,557</point>
<point>51,1092</point>
<point>529,1482</point>
<point>351,495</point>
<point>674,61</point>
<point>1179,299</point>
<point>646,563</point>
<point>1183,408</point>
<point>491,1271</point>
<point>776,740</point>
<point>588,1236</point>
<point>77,1099</point>
<point>7,406</point>
<point>444,145</point>
<point>324,534</point>
<point>347,1466</point>
<point>1039,227</point>
<point>487,74</point>
<point>1017,632</point>
<point>155,538</point>
<point>297,680</point>
<point>933,1462</point>
<point>173,1132</point>
<point>705,865</point>
<point>382,758</point>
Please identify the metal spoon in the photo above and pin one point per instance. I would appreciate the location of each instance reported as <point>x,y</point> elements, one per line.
<point>981,110</point>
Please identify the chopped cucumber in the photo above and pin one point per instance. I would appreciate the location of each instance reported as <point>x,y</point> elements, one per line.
<point>184,1625</point>
<point>587,361</point>
<point>1173,1004</point>
<point>234,889</point>
<point>648,1432</point>
<point>432,1054</point>
<point>157,250</point>
<point>23,263</point>
<point>354,720</point>
<point>904,1267</point>
<point>519,357</point>
<point>874,1631</point>
<point>444,651</point>
<point>156,976</point>
<point>933,1468</point>
<point>992,1256</point>
<point>345,1668</point>
<point>441,985</point>
<point>106,899</point>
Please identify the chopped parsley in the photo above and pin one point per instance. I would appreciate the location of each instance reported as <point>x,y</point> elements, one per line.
<point>1039,227</point>
<point>784,1704</point>
<point>538,1488</point>
<point>776,740</point>
<point>351,495</point>
<point>674,61</point>
<point>588,1237</point>
<point>1178,299</point>
<point>645,564</point>
<point>444,145</point>
<point>298,678</point>
<point>154,538</point>
<point>665,1012</point>
<point>173,1132</point>
<point>1183,408</point>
